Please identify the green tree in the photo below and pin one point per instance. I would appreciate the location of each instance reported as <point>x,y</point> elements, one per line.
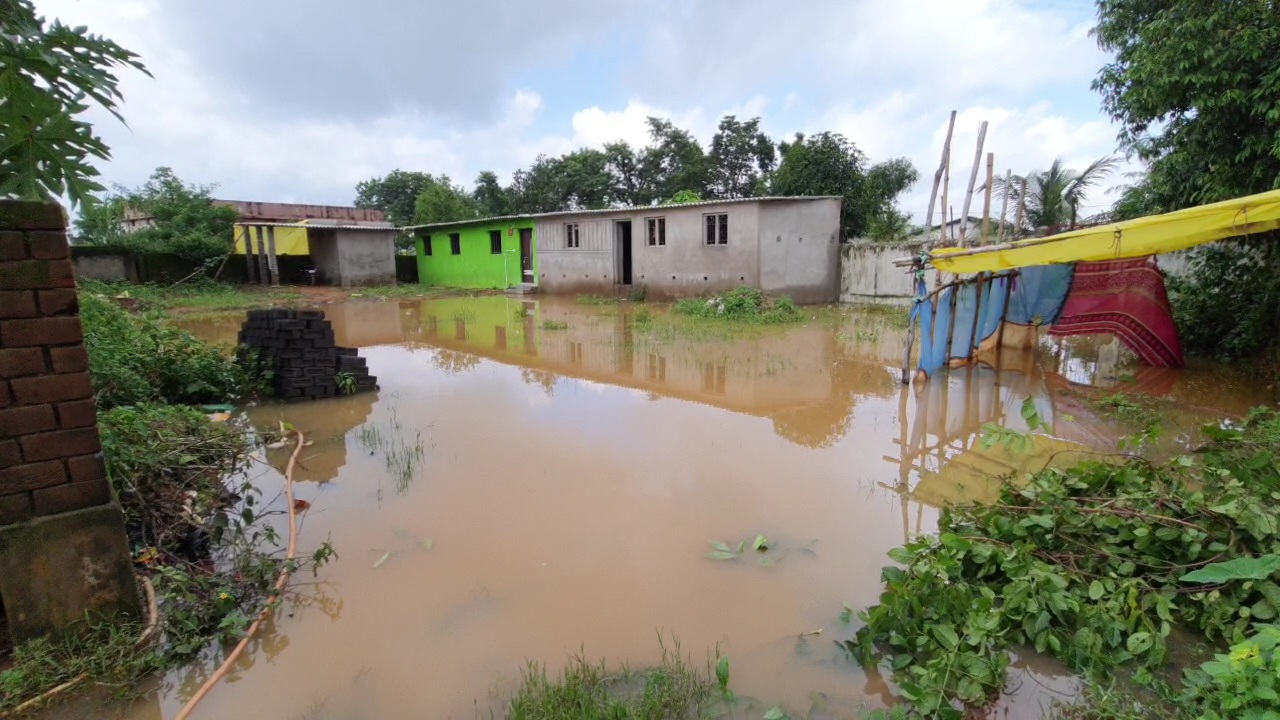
<point>586,182</point>
<point>49,74</point>
<point>1195,87</point>
<point>396,194</point>
<point>489,195</point>
<point>674,161</point>
<point>171,216</point>
<point>1054,195</point>
<point>442,201</point>
<point>630,185</point>
<point>829,164</point>
<point>538,188</point>
<point>741,157</point>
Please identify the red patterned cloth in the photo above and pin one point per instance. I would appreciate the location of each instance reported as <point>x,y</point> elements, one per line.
<point>1127,299</point>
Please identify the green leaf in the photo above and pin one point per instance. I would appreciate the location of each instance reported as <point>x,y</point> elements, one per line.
<point>722,555</point>
<point>742,546</point>
<point>1139,643</point>
<point>761,544</point>
<point>1250,568</point>
<point>722,673</point>
<point>902,556</point>
<point>1096,590</point>
<point>775,714</point>
<point>720,546</point>
<point>946,636</point>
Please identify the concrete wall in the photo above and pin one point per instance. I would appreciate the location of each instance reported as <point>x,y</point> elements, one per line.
<point>324,255</point>
<point>588,268</point>
<point>108,268</point>
<point>867,272</point>
<point>800,249</point>
<point>366,257</point>
<point>63,550</point>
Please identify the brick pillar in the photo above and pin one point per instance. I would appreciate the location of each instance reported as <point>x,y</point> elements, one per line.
<point>63,549</point>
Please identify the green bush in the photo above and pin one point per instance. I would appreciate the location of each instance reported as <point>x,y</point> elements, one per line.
<point>139,358</point>
<point>743,304</point>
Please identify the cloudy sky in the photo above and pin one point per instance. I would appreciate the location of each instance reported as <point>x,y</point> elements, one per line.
<point>298,100</point>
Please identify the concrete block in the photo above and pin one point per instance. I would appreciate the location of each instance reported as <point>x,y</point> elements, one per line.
<point>56,570</point>
<point>31,215</point>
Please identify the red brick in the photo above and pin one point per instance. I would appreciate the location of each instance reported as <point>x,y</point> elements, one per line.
<point>86,468</point>
<point>37,274</point>
<point>14,508</point>
<point>21,361</point>
<point>59,302</point>
<point>51,388</point>
<point>59,444</point>
<point>13,245</point>
<point>78,414</point>
<point>72,496</point>
<point>17,304</point>
<point>32,476</point>
<point>69,359</point>
<point>41,331</point>
<point>10,455</point>
<point>48,245</point>
<point>32,215</point>
<point>17,421</point>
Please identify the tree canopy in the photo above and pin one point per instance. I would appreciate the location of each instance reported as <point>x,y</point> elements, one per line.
<point>49,74</point>
<point>1054,195</point>
<point>172,216</point>
<point>741,162</point>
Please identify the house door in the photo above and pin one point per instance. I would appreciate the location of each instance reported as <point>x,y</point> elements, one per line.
<point>624,252</point>
<point>526,255</point>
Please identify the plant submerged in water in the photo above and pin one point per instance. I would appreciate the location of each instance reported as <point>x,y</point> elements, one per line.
<point>1094,565</point>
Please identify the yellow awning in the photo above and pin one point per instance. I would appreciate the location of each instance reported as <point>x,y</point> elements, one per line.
<point>1149,235</point>
<point>289,240</point>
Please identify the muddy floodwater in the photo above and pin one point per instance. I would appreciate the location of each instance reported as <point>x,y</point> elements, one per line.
<point>515,492</point>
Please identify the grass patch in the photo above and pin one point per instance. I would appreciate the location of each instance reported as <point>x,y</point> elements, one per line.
<point>898,316</point>
<point>742,304</point>
<point>196,296</point>
<point>596,300</point>
<point>108,653</point>
<point>412,291</point>
<point>590,691</point>
<point>555,325</point>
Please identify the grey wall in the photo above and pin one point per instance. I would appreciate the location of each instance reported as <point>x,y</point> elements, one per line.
<point>867,272</point>
<point>110,268</point>
<point>324,255</point>
<point>366,257</point>
<point>588,268</point>
<point>800,249</point>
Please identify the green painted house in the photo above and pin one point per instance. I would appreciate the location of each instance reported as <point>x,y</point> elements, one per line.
<point>496,253</point>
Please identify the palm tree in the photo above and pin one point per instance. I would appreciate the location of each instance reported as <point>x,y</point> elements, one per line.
<point>1053,196</point>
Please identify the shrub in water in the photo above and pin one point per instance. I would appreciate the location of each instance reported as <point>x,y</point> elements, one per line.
<point>745,304</point>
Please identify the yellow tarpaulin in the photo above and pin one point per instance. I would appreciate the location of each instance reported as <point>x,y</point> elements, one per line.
<point>289,240</point>
<point>1129,239</point>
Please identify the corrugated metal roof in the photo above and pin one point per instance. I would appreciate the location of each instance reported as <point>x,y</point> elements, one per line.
<point>321,226</point>
<point>605,211</point>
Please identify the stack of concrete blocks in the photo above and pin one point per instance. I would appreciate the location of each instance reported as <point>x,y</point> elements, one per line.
<point>63,550</point>
<point>297,348</point>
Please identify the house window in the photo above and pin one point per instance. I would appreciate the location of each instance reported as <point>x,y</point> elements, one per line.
<point>495,242</point>
<point>717,229</point>
<point>657,231</point>
<point>426,245</point>
<point>571,239</point>
<point>455,243</point>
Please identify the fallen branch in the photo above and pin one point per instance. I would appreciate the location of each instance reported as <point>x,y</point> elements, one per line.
<point>281,582</point>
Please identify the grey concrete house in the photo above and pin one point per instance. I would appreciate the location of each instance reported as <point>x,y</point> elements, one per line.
<point>785,245</point>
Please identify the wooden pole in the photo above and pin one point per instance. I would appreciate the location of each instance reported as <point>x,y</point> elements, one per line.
<point>1004,205</point>
<point>986,201</point>
<point>937,176</point>
<point>264,270</point>
<point>973,180</point>
<point>946,185</point>
<point>1022,209</point>
<point>272,265</point>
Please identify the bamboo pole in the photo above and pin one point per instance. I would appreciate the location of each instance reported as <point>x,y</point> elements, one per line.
<point>1004,205</point>
<point>937,176</point>
<point>986,201</point>
<point>973,180</point>
<point>1022,209</point>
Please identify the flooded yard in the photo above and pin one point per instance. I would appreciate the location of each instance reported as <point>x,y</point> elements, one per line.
<point>538,478</point>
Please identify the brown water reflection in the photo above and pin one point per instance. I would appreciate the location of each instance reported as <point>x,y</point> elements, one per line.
<point>571,479</point>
